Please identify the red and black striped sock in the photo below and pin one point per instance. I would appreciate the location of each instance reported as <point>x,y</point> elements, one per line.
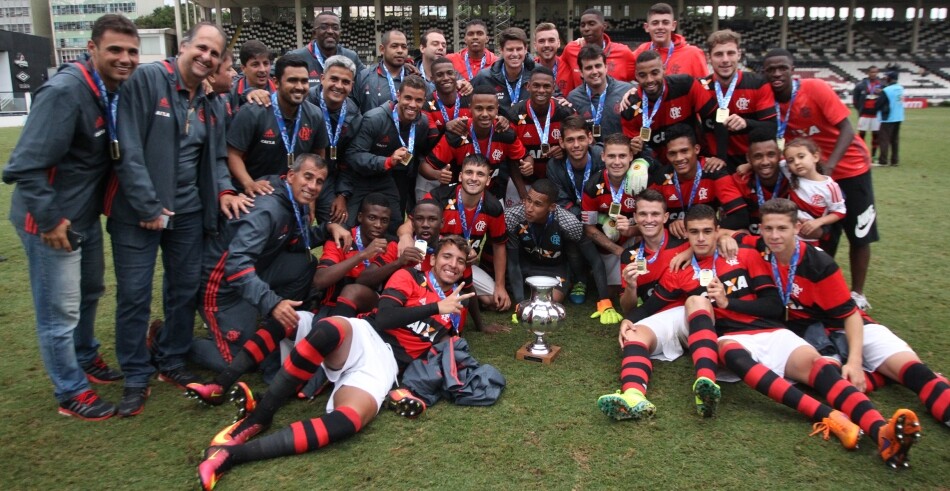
<point>765,381</point>
<point>300,437</point>
<point>344,308</point>
<point>702,344</point>
<point>636,367</point>
<point>932,390</point>
<point>826,378</point>
<point>255,349</point>
<point>874,381</point>
<point>303,362</point>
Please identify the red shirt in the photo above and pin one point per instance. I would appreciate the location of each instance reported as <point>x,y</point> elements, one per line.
<point>816,112</point>
<point>745,183</point>
<point>475,65</point>
<point>490,223</point>
<point>716,189</point>
<point>743,278</point>
<point>332,255</point>
<point>595,203</point>
<point>452,149</point>
<point>621,64</point>
<point>434,111</point>
<point>681,100</point>
<point>524,126</point>
<point>752,99</point>
<point>687,59</point>
<point>646,283</point>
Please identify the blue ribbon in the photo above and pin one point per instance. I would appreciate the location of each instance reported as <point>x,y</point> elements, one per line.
<point>669,55</point>
<point>543,134</point>
<point>570,172</point>
<point>467,232</point>
<point>109,106</point>
<point>724,101</point>
<point>616,196</point>
<point>647,115</point>
<point>456,318</point>
<point>304,231</point>
<point>514,93</point>
<point>642,251</point>
<point>334,135</point>
<point>692,194</point>
<point>758,188</point>
<point>315,51</point>
<point>477,146</point>
<point>785,291</point>
<point>389,79</point>
<point>468,66</point>
<point>696,264</point>
<point>359,245</point>
<point>596,112</point>
<point>412,131</point>
<point>783,123</point>
<point>289,142</point>
<point>455,108</point>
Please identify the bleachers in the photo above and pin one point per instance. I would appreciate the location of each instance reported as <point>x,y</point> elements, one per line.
<point>917,81</point>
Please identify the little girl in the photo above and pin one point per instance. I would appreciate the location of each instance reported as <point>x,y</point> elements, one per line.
<point>819,199</point>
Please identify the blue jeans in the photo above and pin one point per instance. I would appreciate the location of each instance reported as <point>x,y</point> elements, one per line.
<point>134,251</point>
<point>66,289</point>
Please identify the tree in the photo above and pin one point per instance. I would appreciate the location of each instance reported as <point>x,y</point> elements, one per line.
<point>160,18</point>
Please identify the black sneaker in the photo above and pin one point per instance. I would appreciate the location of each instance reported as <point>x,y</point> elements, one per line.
<point>179,377</point>
<point>87,406</point>
<point>99,373</point>
<point>133,401</point>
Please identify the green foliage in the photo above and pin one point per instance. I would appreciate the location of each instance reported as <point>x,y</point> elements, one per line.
<point>161,18</point>
<point>546,431</point>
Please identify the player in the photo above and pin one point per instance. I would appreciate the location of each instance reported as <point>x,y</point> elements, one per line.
<point>325,43</point>
<point>509,75</point>
<point>866,93</point>
<point>475,56</point>
<point>377,85</point>
<point>598,97</point>
<point>733,102</point>
<point>416,312</point>
<point>620,60</point>
<point>679,57</point>
<point>765,181</point>
<point>809,107</point>
<point>547,42</point>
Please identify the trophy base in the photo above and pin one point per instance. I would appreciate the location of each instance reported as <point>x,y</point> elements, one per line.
<point>547,358</point>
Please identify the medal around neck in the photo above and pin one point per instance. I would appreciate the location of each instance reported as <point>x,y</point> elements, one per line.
<point>540,314</point>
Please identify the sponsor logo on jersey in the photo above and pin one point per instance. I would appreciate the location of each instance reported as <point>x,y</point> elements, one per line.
<point>496,155</point>
<point>100,123</point>
<point>676,112</point>
<point>629,202</point>
<point>269,133</point>
<point>305,133</point>
<point>742,104</point>
<point>480,226</point>
<point>163,102</point>
<point>703,193</point>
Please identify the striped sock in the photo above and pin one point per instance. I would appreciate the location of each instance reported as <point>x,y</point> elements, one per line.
<point>932,390</point>
<point>636,367</point>
<point>826,378</point>
<point>702,344</point>
<point>300,437</point>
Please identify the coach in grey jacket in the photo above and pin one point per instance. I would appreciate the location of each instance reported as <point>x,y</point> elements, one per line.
<point>325,43</point>
<point>171,177</point>
<point>59,166</point>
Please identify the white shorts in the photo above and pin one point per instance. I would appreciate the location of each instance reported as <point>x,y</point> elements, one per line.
<point>370,366</point>
<point>671,333</point>
<point>484,284</point>
<point>880,343</point>
<point>771,349</point>
<point>869,124</point>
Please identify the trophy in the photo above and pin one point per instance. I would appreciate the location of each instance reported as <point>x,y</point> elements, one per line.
<point>540,313</point>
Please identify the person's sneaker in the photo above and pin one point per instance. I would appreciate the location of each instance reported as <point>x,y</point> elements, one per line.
<point>237,433</point>
<point>210,394</point>
<point>405,403</point>
<point>87,406</point>
<point>861,300</point>
<point>843,428</point>
<point>896,438</point>
<point>99,373</point>
<point>243,399</point>
<point>179,377</point>
<point>216,462</point>
<point>707,396</point>
<point>133,401</point>
<point>579,293</point>
<point>631,404</point>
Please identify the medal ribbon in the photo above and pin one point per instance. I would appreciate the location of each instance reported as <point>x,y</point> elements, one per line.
<point>647,114</point>
<point>109,106</point>
<point>477,146</point>
<point>570,173</point>
<point>456,318</point>
<point>596,112</point>
<point>615,196</point>
<point>514,93</point>
<point>696,264</point>
<point>389,79</point>
<point>467,232</point>
<point>334,134</point>
<point>669,54</point>
<point>412,132</point>
<point>468,66</point>
<point>304,231</point>
<point>289,142</point>
<point>642,251</point>
<point>359,245</point>
<point>758,188</point>
<point>542,132</point>
<point>785,291</point>
<point>724,101</point>
<point>455,108</point>
<point>692,193</point>
<point>783,123</point>
<point>537,239</point>
<point>315,51</point>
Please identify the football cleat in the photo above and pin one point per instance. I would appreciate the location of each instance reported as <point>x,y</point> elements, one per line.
<point>405,404</point>
<point>216,462</point>
<point>578,293</point>
<point>243,399</point>
<point>844,429</point>
<point>210,394</point>
<point>631,404</point>
<point>237,433</point>
<point>707,396</point>
<point>896,438</point>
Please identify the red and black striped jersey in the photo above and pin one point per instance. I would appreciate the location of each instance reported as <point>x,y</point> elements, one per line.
<point>524,126</point>
<point>452,149</point>
<point>488,226</point>
<point>819,292</point>
<point>595,203</point>
<point>332,254</point>
<point>434,109</point>
<point>752,99</point>
<point>646,283</point>
<point>716,189</point>
<point>681,101</point>
<point>744,278</point>
<point>410,288</point>
<point>745,183</point>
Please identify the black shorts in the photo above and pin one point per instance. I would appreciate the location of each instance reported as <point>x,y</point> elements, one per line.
<point>860,222</point>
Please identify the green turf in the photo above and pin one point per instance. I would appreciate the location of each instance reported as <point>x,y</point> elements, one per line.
<point>546,431</point>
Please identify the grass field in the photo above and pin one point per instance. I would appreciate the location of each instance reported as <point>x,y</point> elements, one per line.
<point>546,431</point>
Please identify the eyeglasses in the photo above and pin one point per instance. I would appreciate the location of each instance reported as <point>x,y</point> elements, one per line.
<point>329,27</point>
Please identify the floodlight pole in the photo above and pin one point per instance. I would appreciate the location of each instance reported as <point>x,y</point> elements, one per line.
<point>715,16</point>
<point>298,23</point>
<point>178,21</point>
<point>915,37</point>
<point>850,44</point>
<point>784,29</point>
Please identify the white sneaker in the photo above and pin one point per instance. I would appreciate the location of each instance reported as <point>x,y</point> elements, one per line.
<point>861,300</point>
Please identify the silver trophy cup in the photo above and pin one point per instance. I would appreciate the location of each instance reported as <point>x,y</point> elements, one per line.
<point>540,313</point>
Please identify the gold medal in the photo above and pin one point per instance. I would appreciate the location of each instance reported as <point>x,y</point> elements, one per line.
<point>596,131</point>
<point>642,266</point>
<point>407,159</point>
<point>722,114</point>
<point>545,148</point>
<point>645,134</point>
<point>333,152</point>
<point>705,277</point>
<point>781,144</point>
<point>290,160</point>
<point>114,149</point>
<point>614,211</point>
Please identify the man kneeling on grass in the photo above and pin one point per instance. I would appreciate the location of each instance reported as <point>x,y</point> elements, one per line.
<point>362,357</point>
